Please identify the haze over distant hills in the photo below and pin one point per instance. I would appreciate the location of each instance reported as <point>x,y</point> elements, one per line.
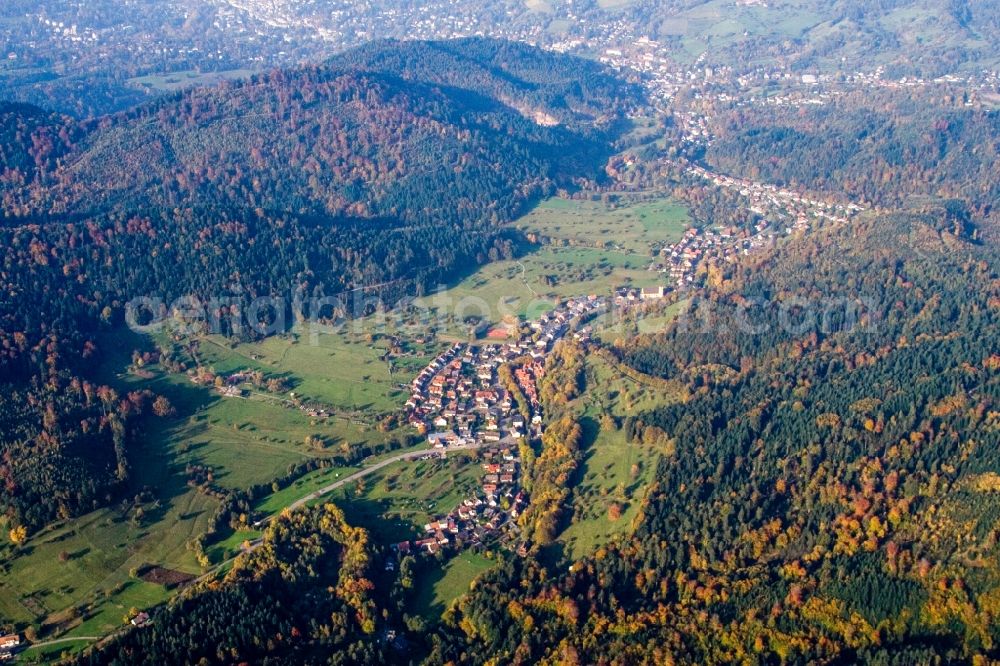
<point>103,55</point>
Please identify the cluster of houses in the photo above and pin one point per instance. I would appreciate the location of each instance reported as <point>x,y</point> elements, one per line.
<point>568,316</point>
<point>488,516</point>
<point>682,259</point>
<point>783,204</point>
<point>8,645</point>
<point>779,212</point>
<point>625,296</point>
<point>527,377</point>
<point>460,402</point>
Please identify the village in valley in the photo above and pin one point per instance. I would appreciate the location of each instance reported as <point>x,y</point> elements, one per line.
<point>485,397</point>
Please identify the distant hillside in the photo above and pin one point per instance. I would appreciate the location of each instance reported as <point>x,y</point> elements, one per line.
<point>927,37</point>
<point>377,132</point>
<point>533,82</point>
<point>879,149</point>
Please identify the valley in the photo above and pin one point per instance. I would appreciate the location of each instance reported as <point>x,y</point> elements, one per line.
<point>358,376</point>
<point>629,333</point>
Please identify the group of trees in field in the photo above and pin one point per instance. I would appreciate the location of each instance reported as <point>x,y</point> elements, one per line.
<point>304,596</point>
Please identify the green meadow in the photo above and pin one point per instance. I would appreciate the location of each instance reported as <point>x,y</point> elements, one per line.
<point>396,502</point>
<point>174,81</point>
<point>75,578</point>
<point>439,587</point>
<point>630,225</point>
<point>615,473</point>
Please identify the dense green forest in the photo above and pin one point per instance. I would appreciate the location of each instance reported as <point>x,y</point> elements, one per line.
<point>301,185</point>
<point>828,492</point>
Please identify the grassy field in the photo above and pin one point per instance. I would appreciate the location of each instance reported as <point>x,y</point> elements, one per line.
<point>615,473</point>
<point>540,6</point>
<point>441,586</point>
<point>74,577</point>
<point>309,483</point>
<point>343,369</point>
<point>396,502</point>
<point>594,247</point>
<point>187,79</point>
<point>85,564</point>
<point>526,288</point>
<point>717,24</point>
<point>245,440</point>
<point>629,226</point>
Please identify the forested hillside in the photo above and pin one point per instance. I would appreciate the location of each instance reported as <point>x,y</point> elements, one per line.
<point>829,491</point>
<point>879,149</point>
<point>295,184</point>
<point>31,140</point>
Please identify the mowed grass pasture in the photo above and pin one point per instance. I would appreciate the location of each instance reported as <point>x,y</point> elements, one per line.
<point>591,247</point>
<point>629,225</point>
<point>338,366</point>
<point>75,577</point>
<point>437,588</point>
<point>615,473</point>
<point>174,81</point>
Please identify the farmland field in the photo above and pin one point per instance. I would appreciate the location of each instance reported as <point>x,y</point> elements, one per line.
<point>614,473</point>
<point>174,81</point>
<point>531,285</point>
<point>337,367</point>
<point>615,476</point>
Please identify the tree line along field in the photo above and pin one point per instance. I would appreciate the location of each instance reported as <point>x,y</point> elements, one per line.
<point>395,503</point>
<point>614,473</point>
<point>440,586</point>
